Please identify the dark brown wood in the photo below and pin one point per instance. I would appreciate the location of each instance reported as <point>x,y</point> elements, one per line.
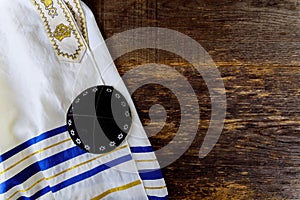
<point>256,45</point>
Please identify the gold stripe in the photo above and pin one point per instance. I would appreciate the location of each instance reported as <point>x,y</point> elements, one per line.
<point>155,188</point>
<point>62,172</point>
<point>153,160</point>
<point>116,189</point>
<point>39,151</point>
<point>11,196</point>
<point>76,166</point>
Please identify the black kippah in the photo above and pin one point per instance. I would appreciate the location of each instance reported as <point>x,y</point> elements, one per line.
<point>99,119</point>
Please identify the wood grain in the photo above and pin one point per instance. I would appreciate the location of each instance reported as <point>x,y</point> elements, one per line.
<point>256,46</point>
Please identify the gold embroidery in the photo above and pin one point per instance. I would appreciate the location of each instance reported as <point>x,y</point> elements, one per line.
<point>71,10</point>
<point>47,3</point>
<point>64,171</point>
<point>116,189</point>
<point>49,6</point>
<point>79,17</point>
<point>82,21</point>
<point>61,32</point>
<point>80,45</point>
<point>53,12</point>
<point>74,30</point>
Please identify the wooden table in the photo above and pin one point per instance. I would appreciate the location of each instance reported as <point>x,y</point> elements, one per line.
<point>256,46</point>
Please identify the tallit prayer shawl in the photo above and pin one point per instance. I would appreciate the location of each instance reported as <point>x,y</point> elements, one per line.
<point>51,51</point>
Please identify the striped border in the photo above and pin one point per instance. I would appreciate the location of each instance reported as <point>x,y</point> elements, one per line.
<point>149,174</point>
<point>78,178</point>
<point>42,165</point>
<point>31,142</point>
<point>73,152</point>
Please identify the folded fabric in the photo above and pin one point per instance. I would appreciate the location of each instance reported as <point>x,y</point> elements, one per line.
<point>51,51</point>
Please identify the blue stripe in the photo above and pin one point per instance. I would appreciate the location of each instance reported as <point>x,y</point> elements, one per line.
<point>150,174</point>
<point>32,141</point>
<point>158,198</point>
<point>37,194</point>
<point>90,173</point>
<point>78,178</point>
<point>141,149</point>
<point>40,166</point>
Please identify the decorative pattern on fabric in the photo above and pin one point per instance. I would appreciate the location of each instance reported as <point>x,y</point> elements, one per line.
<point>78,14</point>
<point>49,6</point>
<point>62,30</point>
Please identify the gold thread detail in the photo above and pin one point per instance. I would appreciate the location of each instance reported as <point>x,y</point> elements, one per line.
<point>82,21</point>
<point>71,8</point>
<point>48,3</point>
<point>34,153</point>
<point>79,19</point>
<point>52,40</point>
<point>61,32</point>
<point>52,11</point>
<point>155,188</point>
<point>64,171</point>
<point>117,189</point>
<point>74,30</point>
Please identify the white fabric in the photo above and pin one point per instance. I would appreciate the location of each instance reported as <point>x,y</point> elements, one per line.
<point>36,89</point>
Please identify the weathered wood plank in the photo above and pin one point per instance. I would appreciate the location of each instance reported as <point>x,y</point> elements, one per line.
<point>253,32</point>
<point>256,45</point>
<point>258,152</point>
